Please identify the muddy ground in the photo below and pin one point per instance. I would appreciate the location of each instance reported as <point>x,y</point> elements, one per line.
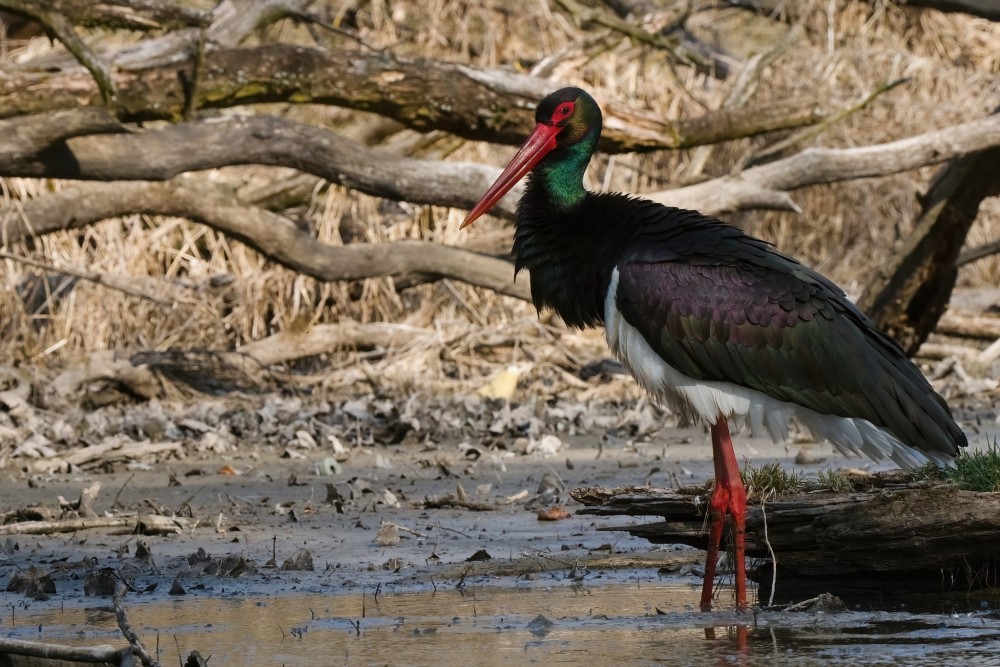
<point>312,508</point>
<point>422,492</point>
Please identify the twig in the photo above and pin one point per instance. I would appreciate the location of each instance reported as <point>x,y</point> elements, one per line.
<point>408,530</point>
<point>823,125</point>
<point>95,278</point>
<point>133,639</point>
<point>191,85</point>
<point>114,503</point>
<point>587,15</point>
<point>741,92</point>
<point>767,541</point>
<point>453,530</point>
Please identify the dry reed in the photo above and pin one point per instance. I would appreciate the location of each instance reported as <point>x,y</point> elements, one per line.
<point>952,62</point>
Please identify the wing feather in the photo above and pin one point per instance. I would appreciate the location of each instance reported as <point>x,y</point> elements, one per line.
<point>770,324</point>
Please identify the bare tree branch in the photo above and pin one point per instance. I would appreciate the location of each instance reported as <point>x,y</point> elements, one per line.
<point>421,94</point>
<point>907,295</point>
<point>127,14</point>
<point>163,153</point>
<point>767,183</point>
<point>273,235</point>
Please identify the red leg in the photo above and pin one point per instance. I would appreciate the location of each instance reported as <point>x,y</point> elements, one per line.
<point>728,497</point>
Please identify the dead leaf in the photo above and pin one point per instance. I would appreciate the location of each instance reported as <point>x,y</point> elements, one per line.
<point>388,535</point>
<point>553,514</point>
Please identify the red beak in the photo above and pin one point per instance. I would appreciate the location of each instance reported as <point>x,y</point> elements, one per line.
<point>537,146</point>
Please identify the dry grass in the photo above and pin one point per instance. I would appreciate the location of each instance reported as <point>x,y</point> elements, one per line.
<point>952,61</point>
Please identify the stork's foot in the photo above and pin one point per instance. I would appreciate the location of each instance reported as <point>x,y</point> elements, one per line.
<point>729,498</point>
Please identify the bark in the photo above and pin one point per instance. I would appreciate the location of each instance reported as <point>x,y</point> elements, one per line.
<point>421,94</point>
<point>884,537</point>
<point>907,295</point>
<point>141,15</point>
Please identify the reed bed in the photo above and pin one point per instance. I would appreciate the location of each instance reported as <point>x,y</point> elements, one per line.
<point>217,293</point>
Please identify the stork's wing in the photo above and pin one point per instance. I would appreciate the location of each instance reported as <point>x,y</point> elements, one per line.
<point>763,321</point>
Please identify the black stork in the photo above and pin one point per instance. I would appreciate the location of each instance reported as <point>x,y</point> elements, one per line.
<point>711,321</point>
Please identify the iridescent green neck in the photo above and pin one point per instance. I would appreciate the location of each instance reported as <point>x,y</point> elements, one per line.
<point>561,173</point>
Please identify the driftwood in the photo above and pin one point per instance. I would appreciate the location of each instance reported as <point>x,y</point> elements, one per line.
<point>146,524</point>
<point>967,324</point>
<point>891,538</point>
<point>39,654</point>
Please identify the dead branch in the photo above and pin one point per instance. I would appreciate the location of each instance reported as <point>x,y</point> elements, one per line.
<point>112,282</point>
<point>162,153</point>
<point>105,365</point>
<point>59,27</point>
<point>892,531</point>
<point>25,137</point>
<point>986,9</point>
<point>782,10</point>
<point>121,589</point>
<point>58,652</point>
<point>147,524</point>
<point>907,295</point>
<point>966,324</point>
<point>587,16</point>
<point>765,186</point>
<point>65,525</point>
<point>140,15</point>
<point>228,24</point>
<point>289,345</point>
<point>273,235</point>
<point>739,95</point>
<point>165,152</point>
<point>807,133</point>
<point>422,94</point>
<point>978,253</point>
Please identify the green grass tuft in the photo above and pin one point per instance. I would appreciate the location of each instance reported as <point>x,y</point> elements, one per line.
<point>835,481</point>
<point>977,471</point>
<point>770,480</point>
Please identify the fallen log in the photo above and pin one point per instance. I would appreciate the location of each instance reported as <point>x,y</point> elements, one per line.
<point>18,652</point>
<point>891,538</point>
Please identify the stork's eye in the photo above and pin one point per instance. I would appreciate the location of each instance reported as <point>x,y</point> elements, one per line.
<point>563,111</point>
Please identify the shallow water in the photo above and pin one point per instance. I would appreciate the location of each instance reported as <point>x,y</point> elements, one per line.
<point>640,624</point>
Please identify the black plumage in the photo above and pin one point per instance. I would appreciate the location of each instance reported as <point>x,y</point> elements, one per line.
<point>719,305</point>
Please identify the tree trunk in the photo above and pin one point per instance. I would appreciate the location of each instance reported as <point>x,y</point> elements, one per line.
<point>909,294</point>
